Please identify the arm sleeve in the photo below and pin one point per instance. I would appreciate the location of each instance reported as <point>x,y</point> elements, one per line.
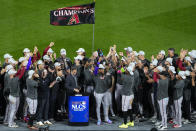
<point>180,66</point>
<point>29,63</point>
<point>36,57</point>
<point>96,70</point>
<point>132,83</point>
<point>155,76</point>
<point>46,50</point>
<point>21,73</point>
<point>18,72</point>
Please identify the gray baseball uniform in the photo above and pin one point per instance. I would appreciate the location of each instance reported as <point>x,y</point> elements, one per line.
<point>178,97</point>
<point>32,95</point>
<point>13,99</point>
<point>100,93</point>
<point>162,97</point>
<point>127,91</point>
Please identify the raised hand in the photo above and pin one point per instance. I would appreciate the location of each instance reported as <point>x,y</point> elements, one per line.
<point>35,50</point>
<point>152,57</point>
<point>55,56</point>
<point>183,53</point>
<point>51,44</point>
<point>121,53</point>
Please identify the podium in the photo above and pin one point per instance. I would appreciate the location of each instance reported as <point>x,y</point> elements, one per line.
<point>78,110</point>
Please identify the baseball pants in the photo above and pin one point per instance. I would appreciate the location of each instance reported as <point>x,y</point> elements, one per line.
<point>127,102</point>
<point>13,107</point>
<point>178,111</point>
<point>163,106</point>
<point>32,103</point>
<point>99,98</point>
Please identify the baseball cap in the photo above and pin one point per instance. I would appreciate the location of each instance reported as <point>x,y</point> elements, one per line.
<point>63,51</point>
<point>46,57</point>
<point>129,49</point>
<point>187,58</point>
<point>141,53</point>
<point>50,50</point>
<point>162,52</point>
<point>79,57</point>
<point>26,50</point>
<point>21,59</point>
<point>40,62</point>
<point>192,54</point>
<point>7,56</point>
<point>80,50</point>
<point>9,67</point>
<point>30,73</point>
<point>169,60</point>
<point>172,69</point>
<point>11,72</point>
<point>182,74</point>
<point>160,68</point>
<point>57,64</point>
<point>101,66</point>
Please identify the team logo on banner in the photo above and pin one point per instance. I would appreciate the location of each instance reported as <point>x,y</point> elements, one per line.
<point>74,20</point>
<point>82,14</point>
<point>79,106</point>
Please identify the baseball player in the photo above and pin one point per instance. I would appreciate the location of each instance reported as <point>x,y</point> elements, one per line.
<point>119,86</point>
<point>13,98</point>
<point>6,92</point>
<point>101,86</point>
<point>32,97</point>
<point>162,95</point>
<point>127,96</point>
<point>178,97</point>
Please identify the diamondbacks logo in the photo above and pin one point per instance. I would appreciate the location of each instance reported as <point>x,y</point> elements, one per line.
<point>74,19</point>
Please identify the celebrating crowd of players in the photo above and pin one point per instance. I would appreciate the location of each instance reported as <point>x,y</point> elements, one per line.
<point>37,87</point>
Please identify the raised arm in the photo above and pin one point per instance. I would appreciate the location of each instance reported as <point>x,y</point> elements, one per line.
<point>47,48</point>
<point>20,72</point>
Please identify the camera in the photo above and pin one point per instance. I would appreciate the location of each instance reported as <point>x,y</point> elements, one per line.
<point>100,52</point>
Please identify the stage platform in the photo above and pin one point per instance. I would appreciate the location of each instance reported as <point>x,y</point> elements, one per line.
<point>63,125</point>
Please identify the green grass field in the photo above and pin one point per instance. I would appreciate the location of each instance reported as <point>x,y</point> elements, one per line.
<point>148,25</point>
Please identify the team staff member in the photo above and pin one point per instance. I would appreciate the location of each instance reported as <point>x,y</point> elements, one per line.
<point>127,96</point>
<point>71,82</point>
<point>43,96</point>
<point>64,60</point>
<point>89,86</point>
<point>187,98</point>
<point>102,81</point>
<point>171,112</point>
<point>119,86</point>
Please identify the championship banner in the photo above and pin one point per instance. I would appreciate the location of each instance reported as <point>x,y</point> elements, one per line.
<point>82,14</point>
